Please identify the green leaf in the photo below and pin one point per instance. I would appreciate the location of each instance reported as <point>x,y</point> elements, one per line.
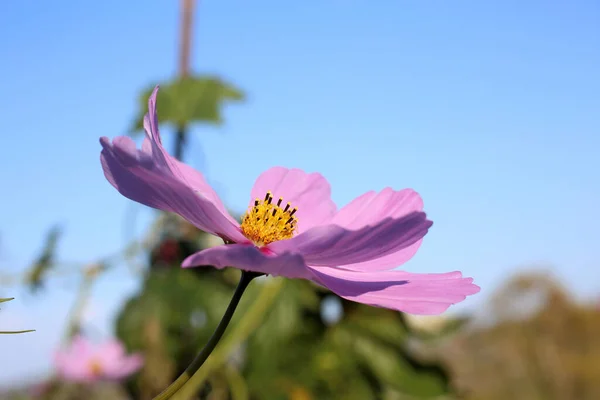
<point>188,100</point>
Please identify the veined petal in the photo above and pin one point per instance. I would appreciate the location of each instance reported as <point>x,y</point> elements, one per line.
<point>163,160</point>
<point>424,294</point>
<point>375,206</point>
<point>310,193</point>
<point>247,257</point>
<point>332,245</point>
<point>133,173</point>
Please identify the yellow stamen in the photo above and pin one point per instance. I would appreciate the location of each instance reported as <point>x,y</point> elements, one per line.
<point>267,222</point>
<point>95,368</point>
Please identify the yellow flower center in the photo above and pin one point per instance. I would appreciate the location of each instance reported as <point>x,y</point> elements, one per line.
<point>95,368</point>
<point>267,222</point>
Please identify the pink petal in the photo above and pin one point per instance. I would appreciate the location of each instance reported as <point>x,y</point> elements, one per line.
<point>68,367</point>
<point>136,176</point>
<point>115,363</point>
<point>424,294</point>
<point>73,373</point>
<point>373,206</point>
<point>126,366</point>
<point>332,245</point>
<point>310,193</point>
<point>109,354</point>
<point>80,347</point>
<point>163,160</point>
<point>71,362</point>
<point>249,258</point>
<point>111,349</point>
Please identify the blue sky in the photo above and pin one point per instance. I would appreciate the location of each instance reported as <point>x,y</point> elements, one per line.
<point>488,109</point>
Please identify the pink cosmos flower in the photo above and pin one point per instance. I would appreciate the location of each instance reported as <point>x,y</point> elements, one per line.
<point>83,362</point>
<point>292,228</point>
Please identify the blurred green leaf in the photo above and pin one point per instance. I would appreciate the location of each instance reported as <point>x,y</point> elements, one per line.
<point>188,100</point>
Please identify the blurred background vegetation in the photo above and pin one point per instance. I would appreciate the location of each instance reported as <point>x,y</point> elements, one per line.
<point>293,340</point>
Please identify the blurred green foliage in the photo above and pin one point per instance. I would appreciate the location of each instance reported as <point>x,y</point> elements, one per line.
<point>363,355</point>
<point>533,342</point>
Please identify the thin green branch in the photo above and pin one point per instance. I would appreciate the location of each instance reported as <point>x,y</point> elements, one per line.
<point>15,332</point>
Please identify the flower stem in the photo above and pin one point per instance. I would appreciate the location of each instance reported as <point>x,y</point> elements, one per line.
<point>195,365</point>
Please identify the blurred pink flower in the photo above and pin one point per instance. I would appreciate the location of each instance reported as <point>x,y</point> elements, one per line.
<point>351,251</point>
<point>81,361</point>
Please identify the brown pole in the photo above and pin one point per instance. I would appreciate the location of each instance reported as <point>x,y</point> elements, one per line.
<point>185,45</point>
<point>185,40</point>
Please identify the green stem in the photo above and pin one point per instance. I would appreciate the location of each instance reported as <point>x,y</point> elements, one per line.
<point>195,365</point>
<point>15,332</point>
<point>180,141</point>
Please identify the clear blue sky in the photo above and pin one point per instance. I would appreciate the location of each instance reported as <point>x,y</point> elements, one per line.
<point>489,109</point>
